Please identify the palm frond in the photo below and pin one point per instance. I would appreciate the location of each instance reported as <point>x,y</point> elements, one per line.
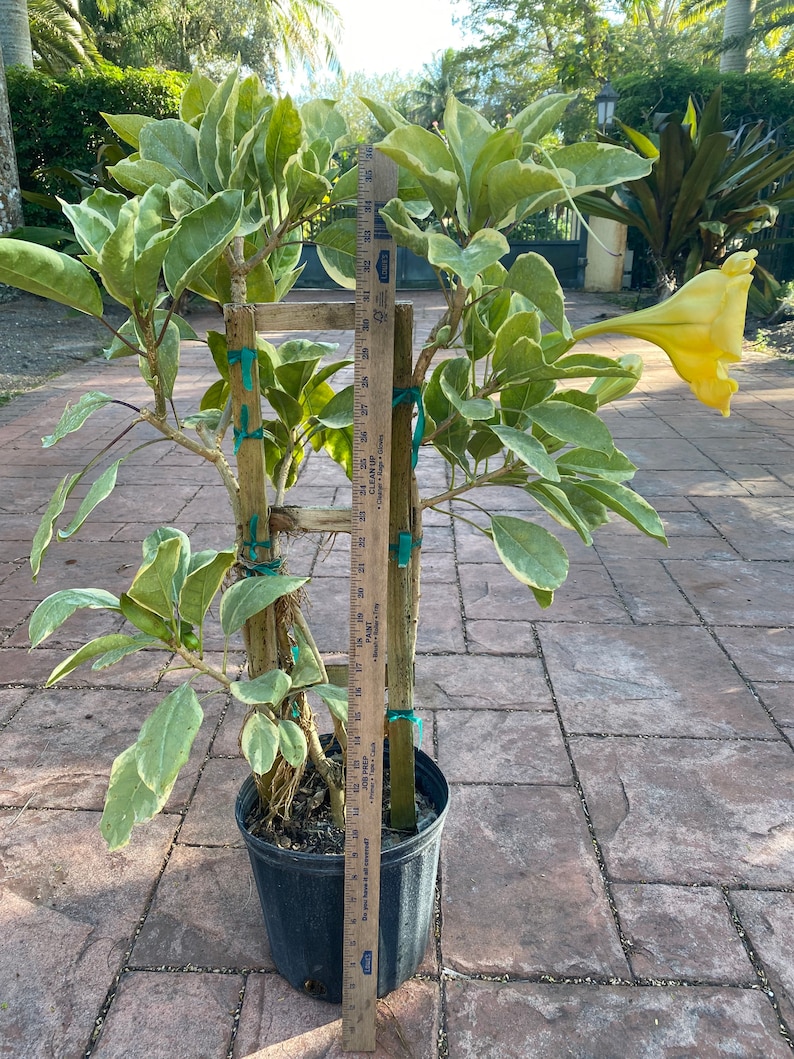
<point>60,36</point>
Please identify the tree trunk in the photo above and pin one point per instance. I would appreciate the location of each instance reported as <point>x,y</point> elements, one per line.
<point>739,16</point>
<point>15,33</point>
<point>10,197</point>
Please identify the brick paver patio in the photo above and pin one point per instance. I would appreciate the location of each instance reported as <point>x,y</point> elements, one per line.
<point>617,876</point>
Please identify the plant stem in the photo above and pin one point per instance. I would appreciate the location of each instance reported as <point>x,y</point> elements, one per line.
<point>235,258</point>
<point>223,423</point>
<point>482,479</point>
<point>212,455</point>
<point>484,391</point>
<point>150,341</point>
<point>271,244</point>
<point>286,464</point>
<point>260,631</point>
<point>119,336</point>
<point>451,318</point>
<point>331,773</point>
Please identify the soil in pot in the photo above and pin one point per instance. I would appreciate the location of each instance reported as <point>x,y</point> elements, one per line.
<point>311,828</point>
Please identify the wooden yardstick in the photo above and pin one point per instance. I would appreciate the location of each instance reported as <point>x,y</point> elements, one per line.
<point>369,560</point>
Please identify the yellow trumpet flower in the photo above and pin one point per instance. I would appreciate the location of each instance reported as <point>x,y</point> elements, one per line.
<point>700,328</point>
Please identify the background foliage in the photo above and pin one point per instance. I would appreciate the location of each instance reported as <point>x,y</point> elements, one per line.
<point>657,53</point>
<point>210,34</point>
<point>63,125</point>
<point>745,97</point>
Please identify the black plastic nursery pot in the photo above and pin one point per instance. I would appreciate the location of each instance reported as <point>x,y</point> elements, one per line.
<point>302,896</point>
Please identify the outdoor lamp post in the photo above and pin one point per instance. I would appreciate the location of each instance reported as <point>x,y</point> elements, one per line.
<point>605,107</point>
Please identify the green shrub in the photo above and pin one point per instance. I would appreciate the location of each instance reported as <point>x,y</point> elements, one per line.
<point>710,190</point>
<point>58,122</point>
<point>747,97</point>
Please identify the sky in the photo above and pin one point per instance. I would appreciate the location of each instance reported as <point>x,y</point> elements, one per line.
<point>380,36</point>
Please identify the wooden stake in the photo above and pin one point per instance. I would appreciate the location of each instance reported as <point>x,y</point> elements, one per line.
<point>260,631</point>
<point>402,613</point>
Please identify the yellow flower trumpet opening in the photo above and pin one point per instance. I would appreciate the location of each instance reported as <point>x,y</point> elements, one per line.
<point>700,328</point>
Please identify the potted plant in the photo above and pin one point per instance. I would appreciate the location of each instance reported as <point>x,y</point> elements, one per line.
<point>217,202</point>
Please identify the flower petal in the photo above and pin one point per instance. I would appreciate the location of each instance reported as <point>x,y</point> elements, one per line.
<point>716,392</point>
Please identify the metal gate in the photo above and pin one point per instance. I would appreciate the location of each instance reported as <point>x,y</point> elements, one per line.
<point>556,234</point>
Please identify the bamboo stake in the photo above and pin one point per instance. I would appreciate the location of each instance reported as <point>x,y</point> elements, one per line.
<point>402,621</point>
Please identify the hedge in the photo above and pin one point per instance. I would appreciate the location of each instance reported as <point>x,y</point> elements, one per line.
<point>745,97</point>
<point>58,121</point>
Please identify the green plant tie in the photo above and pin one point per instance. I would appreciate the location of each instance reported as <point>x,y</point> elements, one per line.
<point>271,568</point>
<point>412,395</point>
<point>402,549</point>
<point>253,544</point>
<point>406,715</point>
<point>245,357</point>
<point>254,567</point>
<point>242,434</point>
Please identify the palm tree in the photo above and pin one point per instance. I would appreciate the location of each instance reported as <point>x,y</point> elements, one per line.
<point>60,35</point>
<point>15,34</point>
<point>443,77</point>
<point>10,196</point>
<point>745,22</point>
<point>15,49</point>
<point>51,34</point>
<point>183,34</point>
<point>305,31</point>
<point>736,25</point>
<point>53,31</point>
